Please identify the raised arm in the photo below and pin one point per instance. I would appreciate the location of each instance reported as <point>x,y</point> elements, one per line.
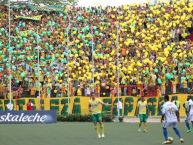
<point>102,103</point>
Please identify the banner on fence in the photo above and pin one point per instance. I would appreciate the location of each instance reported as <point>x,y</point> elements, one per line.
<point>27,117</point>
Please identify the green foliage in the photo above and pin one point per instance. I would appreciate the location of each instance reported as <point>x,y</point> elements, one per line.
<point>81,118</point>
<point>107,118</point>
<point>74,118</point>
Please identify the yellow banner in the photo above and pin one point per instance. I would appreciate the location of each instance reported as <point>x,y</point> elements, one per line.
<point>79,105</point>
<point>34,18</point>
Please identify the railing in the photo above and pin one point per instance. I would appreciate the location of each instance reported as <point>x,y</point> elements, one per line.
<point>125,90</point>
<point>138,90</point>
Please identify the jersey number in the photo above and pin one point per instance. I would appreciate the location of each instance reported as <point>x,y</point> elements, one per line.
<point>171,111</point>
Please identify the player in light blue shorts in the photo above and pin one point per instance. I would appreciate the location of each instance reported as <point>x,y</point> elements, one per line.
<point>187,120</point>
<point>170,117</point>
<point>190,111</point>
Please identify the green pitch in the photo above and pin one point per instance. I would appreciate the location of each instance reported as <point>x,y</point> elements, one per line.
<point>84,134</point>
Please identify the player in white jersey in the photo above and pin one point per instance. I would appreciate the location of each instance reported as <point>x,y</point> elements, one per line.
<point>187,120</point>
<point>170,117</point>
<point>190,112</point>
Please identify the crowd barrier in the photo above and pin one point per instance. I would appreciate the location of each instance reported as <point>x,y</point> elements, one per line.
<point>79,105</point>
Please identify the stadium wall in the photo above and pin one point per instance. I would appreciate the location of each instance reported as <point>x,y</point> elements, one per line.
<point>79,105</point>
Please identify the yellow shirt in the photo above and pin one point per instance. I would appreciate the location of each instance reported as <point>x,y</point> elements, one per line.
<point>95,105</point>
<point>79,92</point>
<point>142,107</point>
<point>185,84</point>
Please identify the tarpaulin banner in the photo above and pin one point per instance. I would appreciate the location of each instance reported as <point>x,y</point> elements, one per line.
<point>27,117</point>
<point>34,18</point>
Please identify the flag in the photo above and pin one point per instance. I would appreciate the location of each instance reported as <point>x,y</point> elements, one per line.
<point>34,18</point>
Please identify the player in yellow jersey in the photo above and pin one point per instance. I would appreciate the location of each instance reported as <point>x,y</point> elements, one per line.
<point>142,112</point>
<point>95,109</point>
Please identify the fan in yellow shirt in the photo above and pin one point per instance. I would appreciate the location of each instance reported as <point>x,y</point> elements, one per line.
<point>142,111</point>
<point>95,109</point>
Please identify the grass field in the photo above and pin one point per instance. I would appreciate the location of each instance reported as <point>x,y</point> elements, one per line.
<point>84,134</point>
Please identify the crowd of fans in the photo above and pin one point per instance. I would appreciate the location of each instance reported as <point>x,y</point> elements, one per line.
<point>148,44</point>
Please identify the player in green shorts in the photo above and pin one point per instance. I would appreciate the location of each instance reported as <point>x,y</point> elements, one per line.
<point>142,111</point>
<point>95,109</point>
